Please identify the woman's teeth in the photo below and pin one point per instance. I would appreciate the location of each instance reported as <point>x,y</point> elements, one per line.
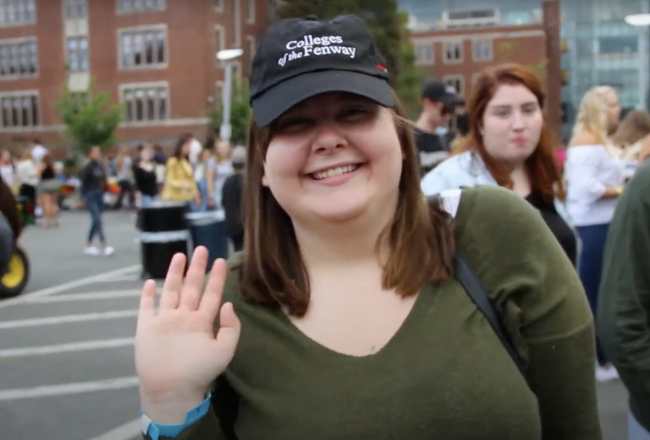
<point>334,172</point>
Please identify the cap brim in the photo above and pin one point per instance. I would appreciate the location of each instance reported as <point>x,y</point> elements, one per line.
<point>273,103</point>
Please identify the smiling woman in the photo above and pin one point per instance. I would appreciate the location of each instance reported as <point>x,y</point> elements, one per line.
<point>343,318</point>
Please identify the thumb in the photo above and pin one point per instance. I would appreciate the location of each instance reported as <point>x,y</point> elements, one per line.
<point>229,329</point>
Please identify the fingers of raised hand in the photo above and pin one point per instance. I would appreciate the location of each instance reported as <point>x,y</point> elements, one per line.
<point>193,286</point>
<point>229,329</point>
<point>171,291</point>
<point>211,300</point>
<point>147,302</point>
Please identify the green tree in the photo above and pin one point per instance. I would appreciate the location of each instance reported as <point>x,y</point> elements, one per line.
<point>91,117</point>
<point>239,115</point>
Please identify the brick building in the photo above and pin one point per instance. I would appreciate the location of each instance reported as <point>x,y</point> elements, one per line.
<point>465,42</point>
<point>156,57</point>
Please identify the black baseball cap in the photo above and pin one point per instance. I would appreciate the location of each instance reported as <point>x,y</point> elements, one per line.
<point>303,57</point>
<point>440,92</point>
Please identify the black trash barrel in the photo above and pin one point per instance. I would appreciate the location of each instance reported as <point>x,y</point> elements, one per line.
<point>164,232</point>
<point>207,229</point>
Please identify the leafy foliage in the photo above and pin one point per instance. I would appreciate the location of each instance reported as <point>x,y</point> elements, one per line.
<point>239,115</point>
<point>91,117</point>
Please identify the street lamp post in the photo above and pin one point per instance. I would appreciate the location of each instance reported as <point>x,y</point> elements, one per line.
<point>642,21</point>
<point>227,55</point>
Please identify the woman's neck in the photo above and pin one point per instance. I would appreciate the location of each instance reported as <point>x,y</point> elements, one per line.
<point>345,244</point>
<point>520,180</point>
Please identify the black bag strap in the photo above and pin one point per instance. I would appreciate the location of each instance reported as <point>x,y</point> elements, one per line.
<point>477,292</point>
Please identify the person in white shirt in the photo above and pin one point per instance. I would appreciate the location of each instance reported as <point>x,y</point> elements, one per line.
<point>38,151</point>
<point>595,179</point>
<point>27,177</point>
<point>195,150</point>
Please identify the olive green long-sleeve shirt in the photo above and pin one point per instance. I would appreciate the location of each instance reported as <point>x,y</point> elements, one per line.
<point>624,298</point>
<point>445,374</point>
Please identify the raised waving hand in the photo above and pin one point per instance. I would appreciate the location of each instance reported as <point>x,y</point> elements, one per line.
<point>177,353</point>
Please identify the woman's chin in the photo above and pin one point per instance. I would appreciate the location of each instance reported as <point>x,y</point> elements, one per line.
<point>338,212</point>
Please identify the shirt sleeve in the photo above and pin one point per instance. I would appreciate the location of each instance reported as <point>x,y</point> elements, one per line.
<point>624,297</point>
<point>542,304</point>
<point>582,172</point>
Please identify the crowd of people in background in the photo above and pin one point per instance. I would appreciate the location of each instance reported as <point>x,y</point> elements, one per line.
<point>576,188</point>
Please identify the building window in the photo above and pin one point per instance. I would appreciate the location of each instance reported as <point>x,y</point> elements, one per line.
<point>18,59</point>
<point>252,47</point>
<point>20,110</point>
<point>145,103</point>
<point>423,53</point>
<point>236,73</point>
<point>457,82</point>
<point>218,94</point>
<point>236,23</point>
<point>16,12</point>
<point>131,6</point>
<point>482,50</point>
<point>143,48</point>
<point>78,54</point>
<point>250,11</point>
<point>219,38</point>
<point>75,9</point>
<point>218,5</point>
<point>453,52</point>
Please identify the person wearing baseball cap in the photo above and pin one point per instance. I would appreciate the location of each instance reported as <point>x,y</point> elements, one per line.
<point>439,103</point>
<point>342,319</point>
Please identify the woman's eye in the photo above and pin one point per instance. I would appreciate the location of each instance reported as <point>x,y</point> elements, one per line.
<point>293,124</point>
<point>354,113</point>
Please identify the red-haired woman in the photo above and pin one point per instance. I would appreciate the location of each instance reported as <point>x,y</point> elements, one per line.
<point>509,145</point>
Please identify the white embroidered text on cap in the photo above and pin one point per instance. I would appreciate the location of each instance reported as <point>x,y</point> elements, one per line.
<point>309,45</point>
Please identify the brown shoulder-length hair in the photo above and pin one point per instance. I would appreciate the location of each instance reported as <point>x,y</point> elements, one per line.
<point>272,271</point>
<point>542,166</point>
<point>634,127</point>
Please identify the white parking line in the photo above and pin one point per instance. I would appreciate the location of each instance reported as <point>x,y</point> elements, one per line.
<point>87,296</point>
<point>124,432</point>
<point>54,320</point>
<point>69,388</point>
<point>70,285</point>
<point>66,348</point>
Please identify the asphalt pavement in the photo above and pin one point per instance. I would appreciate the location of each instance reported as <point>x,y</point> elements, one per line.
<point>66,344</point>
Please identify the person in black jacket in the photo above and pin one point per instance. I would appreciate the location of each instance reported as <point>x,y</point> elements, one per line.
<point>93,178</point>
<point>232,194</point>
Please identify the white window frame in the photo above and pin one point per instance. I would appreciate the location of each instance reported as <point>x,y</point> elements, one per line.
<point>460,90</point>
<point>222,42</point>
<point>419,46</point>
<point>250,11</point>
<point>218,91</point>
<point>237,74</point>
<point>67,51</point>
<point>236,23</point>
<point>21,94</point>
<point>18,41</point>
<point>27,5</point>
<point>120,11</point>
<point>143,29</point>
<point>76,4</point>
<point>122,88</point>
<point>445,52</point>
<point>484,49</point>
<point>218,7</point>
<point>251,47</point>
